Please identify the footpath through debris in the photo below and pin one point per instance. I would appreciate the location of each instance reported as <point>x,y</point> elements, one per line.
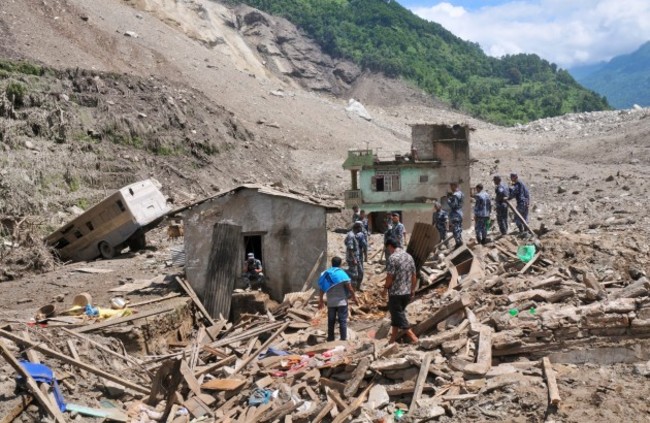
<point>498,326</point>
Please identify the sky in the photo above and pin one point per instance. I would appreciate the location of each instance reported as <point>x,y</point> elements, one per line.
<point>566,32</point>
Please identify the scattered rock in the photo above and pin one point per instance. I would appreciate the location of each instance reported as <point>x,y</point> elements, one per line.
<point>561,190</point>
<point>131,34</point>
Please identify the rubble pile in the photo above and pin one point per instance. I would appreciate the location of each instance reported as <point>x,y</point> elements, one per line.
<point>498,330</point>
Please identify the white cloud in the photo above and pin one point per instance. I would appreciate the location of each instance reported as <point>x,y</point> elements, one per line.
<point>565,32</point>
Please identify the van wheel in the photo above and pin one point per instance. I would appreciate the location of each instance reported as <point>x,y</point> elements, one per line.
<point>106,250</point>
<point>137,242</point>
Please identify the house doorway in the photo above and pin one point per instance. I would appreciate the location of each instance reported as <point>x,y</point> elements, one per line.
<point>253,244</point>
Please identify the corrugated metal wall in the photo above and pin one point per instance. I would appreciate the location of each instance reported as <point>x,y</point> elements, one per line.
<point>421,244</point>
<point>224,267</point>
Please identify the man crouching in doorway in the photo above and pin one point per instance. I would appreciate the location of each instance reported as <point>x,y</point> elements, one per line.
<point>336,284</point>
<point>400,287</point>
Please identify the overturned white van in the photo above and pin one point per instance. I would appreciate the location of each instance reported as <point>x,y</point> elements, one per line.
<point>118,221</point>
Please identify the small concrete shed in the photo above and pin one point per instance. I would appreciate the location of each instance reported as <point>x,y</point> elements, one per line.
<point>285,230</point>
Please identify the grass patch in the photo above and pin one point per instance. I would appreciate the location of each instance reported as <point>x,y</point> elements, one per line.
<point>16,92</point>
<point>21,67</point>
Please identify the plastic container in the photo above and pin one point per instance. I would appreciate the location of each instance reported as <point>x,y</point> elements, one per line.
<point>513,312</point>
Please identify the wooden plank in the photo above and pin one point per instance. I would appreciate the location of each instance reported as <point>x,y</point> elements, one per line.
<point>51,409</point>
<point>75,355</point>
<point>285,409</point>
<point>357,376</point>
<point>549,374</point>
<point>105,349</point>
<point>440,315</point>
<point>73,362</point>
<point>324,412</point>
<point>212,367</point>
<point>521,219</point>
<point>155,300</point>
<point>354,406</point>
<point>223,384</point>
<point>260,349</point>
<point>190,379</point>
<point>195,299</point>
<point>530,263</point>
<point>484,356</point>
<point>120,320</point>
<point>312,273</point>
<point>421,380</point>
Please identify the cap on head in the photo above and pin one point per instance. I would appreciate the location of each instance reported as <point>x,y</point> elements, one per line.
<point>357,225</point>
<point>513,175</point>
<point>496,177</point>
<point>394,214</point>
<point>479,187</point>
<point>250,255</point>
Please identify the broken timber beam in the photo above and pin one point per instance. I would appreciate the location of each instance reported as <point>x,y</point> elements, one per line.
<point>51,409</point>
<point>18,409</point>
<point>260,349</point>
<point>313,271</point>
<point>440,315</point>
<point>422,378</point>
<point>195,298</point>
<point>549,374</point>
<point>521,219</point>
<point>357,376</point>
<point>73,362</point>
<point>354,406</point>
<point>484,356</point>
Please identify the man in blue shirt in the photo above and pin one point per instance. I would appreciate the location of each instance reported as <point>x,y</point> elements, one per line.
<point>482,210</point>
<point>335,283</point>
<point>520,193</point>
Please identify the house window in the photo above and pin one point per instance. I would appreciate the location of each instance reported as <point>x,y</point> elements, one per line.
<point>386,181</point>
<point>424,179</point>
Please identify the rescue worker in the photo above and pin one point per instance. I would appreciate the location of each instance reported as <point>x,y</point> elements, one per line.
<point>440,221</point>
<point>520,193</point>
<point>352,252</point>
<point>455,201</point>
<point>502,193</point>
<point>482,210</point>
<point>253,272</point>
<point>363,249</point>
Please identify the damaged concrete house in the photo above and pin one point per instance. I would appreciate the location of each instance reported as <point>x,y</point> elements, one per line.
<point>285,230</point>
<point>409,183</point>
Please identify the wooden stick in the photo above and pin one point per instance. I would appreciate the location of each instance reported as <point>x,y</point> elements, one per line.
<point>549,373</point>
<point>225,362</point>
<point>51,409</point>
<point>530,263</point>
<point>354,406</point>
<point>103,348</point>
<point>422,378</point>
<point>72,361</point>
<point>312,272</point>
<point>195,298</point>
<point>260,349</point>
<point>523,221</point>
<point>155,300</point>
<point>120,320</point>
<point>75,355</point>
<point>324,412</point>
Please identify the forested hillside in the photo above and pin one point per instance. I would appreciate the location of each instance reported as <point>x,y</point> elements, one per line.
<point>386,37</point>
<point>624,80</point>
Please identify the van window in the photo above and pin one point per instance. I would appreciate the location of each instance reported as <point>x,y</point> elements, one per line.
<point>90,226</point>
<point>78,233</point>
<point>62,242</point>
<point>120,204</point>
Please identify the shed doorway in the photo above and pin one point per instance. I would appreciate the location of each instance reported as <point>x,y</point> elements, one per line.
<point>253,244</point>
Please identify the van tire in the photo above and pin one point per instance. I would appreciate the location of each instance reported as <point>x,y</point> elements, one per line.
<point>106,250</point>
<point>137,242</point>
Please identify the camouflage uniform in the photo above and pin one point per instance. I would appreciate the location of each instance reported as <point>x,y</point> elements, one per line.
<point>455,202</point>
<point>397,233</point>
<point>521,194</point>
<point>440,219</point>
<point>363,248</point>
<point>352,256</point>
<point>502,192</point>
<point>482,210</point>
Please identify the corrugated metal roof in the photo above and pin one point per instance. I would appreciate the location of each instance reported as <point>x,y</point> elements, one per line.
<point>389,207</point>
<point>292,194</point>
